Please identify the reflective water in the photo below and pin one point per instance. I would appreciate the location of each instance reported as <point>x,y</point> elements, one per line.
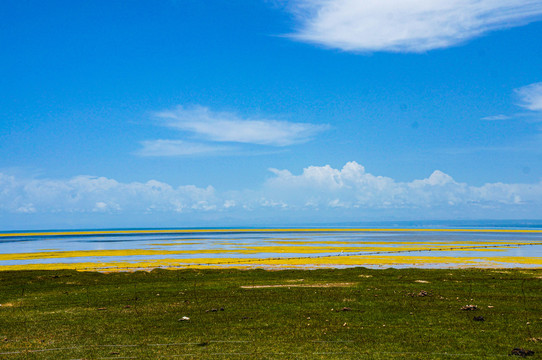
<point>270,248</point>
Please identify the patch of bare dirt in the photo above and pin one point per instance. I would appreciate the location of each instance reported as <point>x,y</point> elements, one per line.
<point>326,285</point>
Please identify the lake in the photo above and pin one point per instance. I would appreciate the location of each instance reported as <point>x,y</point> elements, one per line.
<point>133,249</point>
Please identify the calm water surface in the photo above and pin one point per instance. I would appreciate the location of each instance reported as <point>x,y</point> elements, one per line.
<point>270,249</point>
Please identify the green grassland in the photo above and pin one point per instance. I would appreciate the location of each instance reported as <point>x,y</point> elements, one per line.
<point>354,313</point>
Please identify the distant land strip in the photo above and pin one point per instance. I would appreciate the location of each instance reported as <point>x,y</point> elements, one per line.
<point>269,230</point>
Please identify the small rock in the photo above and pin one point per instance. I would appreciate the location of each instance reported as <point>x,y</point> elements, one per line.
<point>522,352</point>
<point>469,308</point>
<point>184,318</point>
<point>346,309</point>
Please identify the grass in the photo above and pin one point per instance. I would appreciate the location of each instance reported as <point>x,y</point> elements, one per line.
<point>319,314</point>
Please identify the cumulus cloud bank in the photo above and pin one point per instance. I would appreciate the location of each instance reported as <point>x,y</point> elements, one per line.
<point>406,25</point>
<point>322,189</point>
<point>353,187</point>
<point>228,127</point>
<point>99,194</point>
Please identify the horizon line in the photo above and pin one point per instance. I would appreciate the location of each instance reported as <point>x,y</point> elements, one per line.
<point>256,230</point>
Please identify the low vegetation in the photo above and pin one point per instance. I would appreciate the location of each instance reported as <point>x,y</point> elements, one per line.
<point>315,314</point>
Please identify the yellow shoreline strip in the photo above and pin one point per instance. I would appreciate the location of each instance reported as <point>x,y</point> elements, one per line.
<point>331,262</point>
<point>252,250</point>
<point>226,231</point>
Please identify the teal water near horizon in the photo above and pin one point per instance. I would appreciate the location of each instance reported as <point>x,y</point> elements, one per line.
<point>424,224</point>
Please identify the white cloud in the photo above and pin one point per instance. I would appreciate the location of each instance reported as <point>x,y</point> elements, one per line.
<point>229,127</point>
<point>179,148</point>
<point>530,96</point>
<point>343,193</point>
<point>497,117</point>
<point>406,25</point>
<point>99,194</point>
<point>352,187</point>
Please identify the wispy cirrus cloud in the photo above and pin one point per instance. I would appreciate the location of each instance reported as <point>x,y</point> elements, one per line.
<point>497,117</point>
<point>213,126</point>
<point>406,25</point>
<point>530,96</point>
<point>162,147</point>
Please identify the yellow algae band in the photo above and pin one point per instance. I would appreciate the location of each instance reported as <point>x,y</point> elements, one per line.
<point>326,262</point>
<point>250,250</point>
<point>226,231</point>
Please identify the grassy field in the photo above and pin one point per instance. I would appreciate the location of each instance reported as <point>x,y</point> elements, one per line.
<point>319,314</point>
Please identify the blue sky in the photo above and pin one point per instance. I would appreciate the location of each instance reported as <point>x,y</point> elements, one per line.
<point>206,113</point>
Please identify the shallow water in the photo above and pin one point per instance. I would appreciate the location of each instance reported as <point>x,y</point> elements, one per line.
<point>272,248</point>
